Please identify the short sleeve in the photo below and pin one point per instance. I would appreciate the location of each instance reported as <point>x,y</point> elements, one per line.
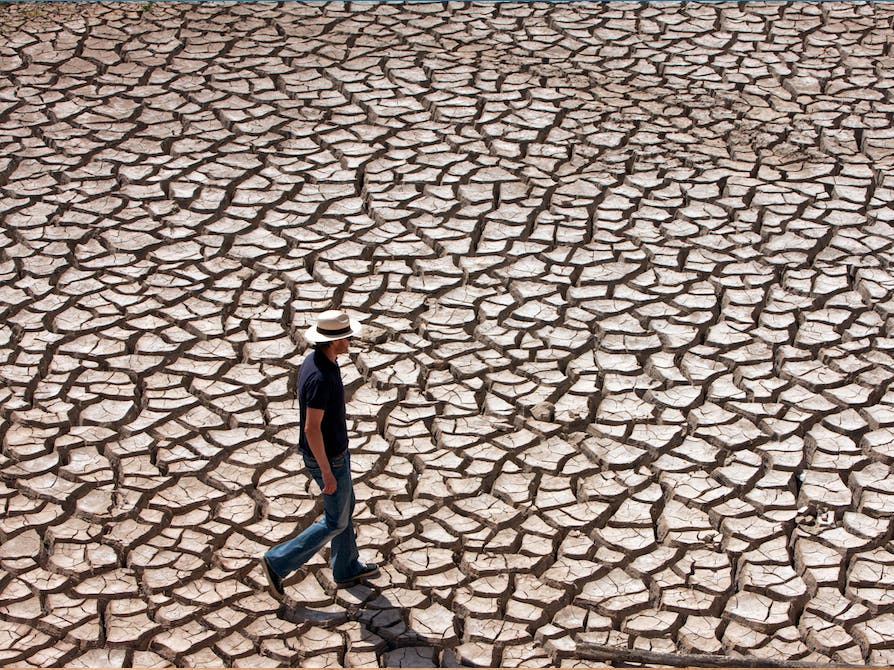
<point>315,392</point>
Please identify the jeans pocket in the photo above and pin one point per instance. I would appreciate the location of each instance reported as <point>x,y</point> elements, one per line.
<point>337,462</point>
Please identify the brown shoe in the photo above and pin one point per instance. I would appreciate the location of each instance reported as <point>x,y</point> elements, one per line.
<point>274,581</point>
<point>366,570</point>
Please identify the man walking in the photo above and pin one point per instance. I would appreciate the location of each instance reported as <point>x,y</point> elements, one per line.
<point>324,445</point>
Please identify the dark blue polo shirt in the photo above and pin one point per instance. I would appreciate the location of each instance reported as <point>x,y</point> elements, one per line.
<point>320,387</point>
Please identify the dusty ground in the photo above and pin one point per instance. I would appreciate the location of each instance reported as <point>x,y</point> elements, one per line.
<point>626,276</point>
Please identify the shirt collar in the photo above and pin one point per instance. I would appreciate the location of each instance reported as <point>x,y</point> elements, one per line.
<point>322,360</point>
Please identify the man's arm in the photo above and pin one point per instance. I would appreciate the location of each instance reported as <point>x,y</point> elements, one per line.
<point>314,435</point>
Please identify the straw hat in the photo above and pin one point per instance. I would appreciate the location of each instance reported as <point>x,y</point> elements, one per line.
<point>332,325</point>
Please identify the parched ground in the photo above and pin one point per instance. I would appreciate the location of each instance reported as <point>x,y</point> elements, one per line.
<point>626,275</point>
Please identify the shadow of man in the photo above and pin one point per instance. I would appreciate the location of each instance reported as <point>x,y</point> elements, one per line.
<point>374,631</point>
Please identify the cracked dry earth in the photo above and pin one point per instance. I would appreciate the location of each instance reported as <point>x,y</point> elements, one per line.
<point>626,276</point>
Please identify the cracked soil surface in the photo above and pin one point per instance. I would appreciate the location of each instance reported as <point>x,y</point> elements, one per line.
<point>625,270</point>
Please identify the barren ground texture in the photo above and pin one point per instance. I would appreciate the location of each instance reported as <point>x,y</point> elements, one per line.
<point>625,272</point>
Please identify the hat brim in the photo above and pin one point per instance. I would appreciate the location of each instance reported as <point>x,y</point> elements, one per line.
<point>314,336</point>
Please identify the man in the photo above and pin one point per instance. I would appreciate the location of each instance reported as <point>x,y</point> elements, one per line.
<point>323,443</point>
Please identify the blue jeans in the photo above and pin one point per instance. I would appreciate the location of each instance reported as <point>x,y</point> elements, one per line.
<point>335,526</point>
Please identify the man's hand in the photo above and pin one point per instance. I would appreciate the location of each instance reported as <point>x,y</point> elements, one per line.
<point>315,439</point>
<point>329,483</point>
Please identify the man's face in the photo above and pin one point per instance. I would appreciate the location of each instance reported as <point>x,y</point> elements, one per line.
<point>341,346</point>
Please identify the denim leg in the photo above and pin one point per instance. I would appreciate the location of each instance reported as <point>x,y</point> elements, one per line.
<point>295,552</point>
<point>343,548</point>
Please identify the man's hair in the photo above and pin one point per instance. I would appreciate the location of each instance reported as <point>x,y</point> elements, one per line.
<point>322,346</point>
